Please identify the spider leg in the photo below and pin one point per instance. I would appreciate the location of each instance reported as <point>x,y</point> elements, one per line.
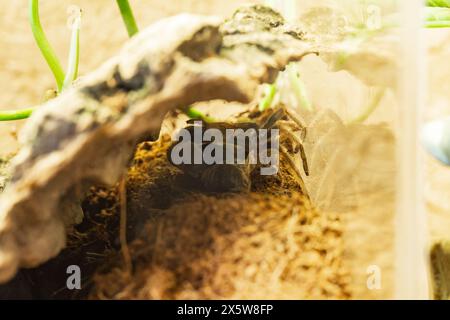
<point>270,122</point>
<point>298,141</point>
<point>290,125</point>
<point>295,119</point>
<point>293,166</point>
<point>304,160</point>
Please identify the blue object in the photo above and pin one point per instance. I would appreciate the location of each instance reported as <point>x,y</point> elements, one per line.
<point>436,139</point>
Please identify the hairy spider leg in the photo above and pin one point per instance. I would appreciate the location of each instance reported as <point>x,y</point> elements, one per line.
<point>298,141</point>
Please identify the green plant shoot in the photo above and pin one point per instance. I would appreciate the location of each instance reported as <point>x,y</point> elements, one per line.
<point>299,88</point>
<point>437,17</point>
<point>15,114</point>
<point>270,91</point>
<point>194,113</point>
<point>74,53</point>
<point>128,17</point>
<point>371,107</point>
<point>44,45</point>
<point>437,14</point>
<point>438,3</point>
<point>63,81</point>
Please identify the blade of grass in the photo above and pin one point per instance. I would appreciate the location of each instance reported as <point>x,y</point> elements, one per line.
<point>128,17</point>
<point>299,88</point>
<point>437,24</point>
<point>438,3</point>
<point>43,44</point>
<point>74,54</point>
<point>269,95</point>
<point>11,115</point>
<point>194,113</point>
<point>437,17</point>
<point>371,107</point>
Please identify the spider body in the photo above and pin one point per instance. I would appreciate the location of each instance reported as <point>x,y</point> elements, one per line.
<point>224,176</point>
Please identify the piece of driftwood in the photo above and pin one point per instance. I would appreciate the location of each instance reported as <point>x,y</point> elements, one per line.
<point>88,134</point>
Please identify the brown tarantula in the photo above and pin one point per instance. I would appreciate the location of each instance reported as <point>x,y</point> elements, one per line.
<point>235,177</point>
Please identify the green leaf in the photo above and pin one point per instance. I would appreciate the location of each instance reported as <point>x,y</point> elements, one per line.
<point>299,88</point>
<point>438,3</point>
<point>19,114</point>
<point>43,44</point>
<point>194,113</point>
<point>74,54</point>
<point>128,17</point>
<point>269,95</point>
<point>436,17</point>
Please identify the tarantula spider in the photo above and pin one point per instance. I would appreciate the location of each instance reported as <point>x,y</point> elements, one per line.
<point>223,176</point>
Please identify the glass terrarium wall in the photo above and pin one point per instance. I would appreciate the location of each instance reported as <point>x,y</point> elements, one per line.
<point>361,98</point>
<point>437,112</point>
<point>437,188</point>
